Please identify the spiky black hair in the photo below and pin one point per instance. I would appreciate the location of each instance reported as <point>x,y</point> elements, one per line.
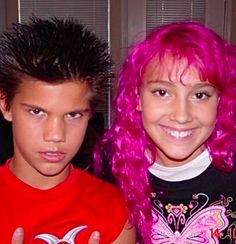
<point>53,50</point>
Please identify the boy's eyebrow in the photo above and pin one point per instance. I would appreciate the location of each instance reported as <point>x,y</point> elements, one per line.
<point>32,106</point>
<point>85,110</point>
<point>82,110</point>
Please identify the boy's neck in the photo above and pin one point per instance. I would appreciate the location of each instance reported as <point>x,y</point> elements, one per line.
<point>37,180</point>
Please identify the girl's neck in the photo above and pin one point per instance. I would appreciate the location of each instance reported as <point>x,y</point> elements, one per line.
<point>186,171</point>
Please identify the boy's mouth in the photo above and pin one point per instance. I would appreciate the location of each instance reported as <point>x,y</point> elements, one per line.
<point>52,156</point>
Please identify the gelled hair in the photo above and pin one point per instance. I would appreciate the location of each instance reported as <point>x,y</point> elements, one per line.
<point>52,51</point>
<point>126,142</point>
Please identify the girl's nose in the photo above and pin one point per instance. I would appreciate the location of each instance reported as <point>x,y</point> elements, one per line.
<point>181,111</point>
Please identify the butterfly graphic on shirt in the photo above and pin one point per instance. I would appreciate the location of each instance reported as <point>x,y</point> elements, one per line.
<point>68,238</point>
<point>199,228</point>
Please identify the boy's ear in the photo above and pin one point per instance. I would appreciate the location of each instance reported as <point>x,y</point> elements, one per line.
<point>6,113</point>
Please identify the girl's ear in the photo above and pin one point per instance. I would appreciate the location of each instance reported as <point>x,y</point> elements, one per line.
<point>139,106</point>
<point>6,113</point>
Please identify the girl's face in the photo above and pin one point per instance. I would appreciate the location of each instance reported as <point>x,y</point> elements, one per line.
<point>178,110</point>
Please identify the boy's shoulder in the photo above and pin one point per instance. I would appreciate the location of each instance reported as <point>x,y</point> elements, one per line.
<point>101,196</point>
<point>78,179</point>
<point>92,183</point>
<point>4,168</point>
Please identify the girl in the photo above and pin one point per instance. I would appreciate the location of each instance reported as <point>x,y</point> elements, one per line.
<point>173,137</point>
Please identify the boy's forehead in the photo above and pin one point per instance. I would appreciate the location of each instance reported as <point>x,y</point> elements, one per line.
<point>54,99</point>
<point>30,86</point>
<point>25,79</point>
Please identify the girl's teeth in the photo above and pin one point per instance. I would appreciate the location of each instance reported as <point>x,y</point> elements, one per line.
<point>178,134</point>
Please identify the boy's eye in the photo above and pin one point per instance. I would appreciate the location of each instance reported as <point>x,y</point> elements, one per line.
<point>202,95</point>
<point>35,111</point>
<point>74,115</point>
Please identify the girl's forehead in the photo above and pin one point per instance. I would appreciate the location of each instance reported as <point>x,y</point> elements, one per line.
<point>170,69</point>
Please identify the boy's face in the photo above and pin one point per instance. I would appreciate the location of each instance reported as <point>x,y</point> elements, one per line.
<point>178,117</point>
<point>49,122</point>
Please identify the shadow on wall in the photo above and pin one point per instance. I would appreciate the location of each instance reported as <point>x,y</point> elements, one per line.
<point>6,144</point>
<point>96,128</point>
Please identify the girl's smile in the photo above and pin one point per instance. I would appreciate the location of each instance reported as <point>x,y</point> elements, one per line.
<point>178,134</point>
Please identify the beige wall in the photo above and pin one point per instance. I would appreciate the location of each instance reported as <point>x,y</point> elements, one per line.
<point>116,30</point>
<point>127,20</point>
<point>233,23</point>
<point>129,16</point>
<point>8,13</point>
<point>215,11</point>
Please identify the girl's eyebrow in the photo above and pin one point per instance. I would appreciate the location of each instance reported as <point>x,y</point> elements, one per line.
<point>159,81</point>
<point>200,84</point>
<point>162,82</point>
<point>204,85</point>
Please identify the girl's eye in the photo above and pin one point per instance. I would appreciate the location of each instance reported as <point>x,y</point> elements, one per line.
<point>74,115</point>
<point>161,92</point>
<point>202,95</point>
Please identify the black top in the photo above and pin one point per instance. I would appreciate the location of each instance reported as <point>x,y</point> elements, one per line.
<point>199,210</point>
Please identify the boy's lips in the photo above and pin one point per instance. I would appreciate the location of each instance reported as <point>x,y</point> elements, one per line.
<point>52,156</point>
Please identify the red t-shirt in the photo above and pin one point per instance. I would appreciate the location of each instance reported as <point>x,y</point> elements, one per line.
<point>67,213</point>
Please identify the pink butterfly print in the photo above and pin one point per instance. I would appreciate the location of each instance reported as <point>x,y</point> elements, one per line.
<point>198,228</point>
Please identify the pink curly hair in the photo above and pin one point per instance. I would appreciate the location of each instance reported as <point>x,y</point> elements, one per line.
<point>126,142</point>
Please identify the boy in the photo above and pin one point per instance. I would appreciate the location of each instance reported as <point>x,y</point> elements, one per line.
<point>50,72</point>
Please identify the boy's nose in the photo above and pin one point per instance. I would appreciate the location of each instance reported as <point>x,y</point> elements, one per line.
<point>54,130</point>
<point>181,112</point>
